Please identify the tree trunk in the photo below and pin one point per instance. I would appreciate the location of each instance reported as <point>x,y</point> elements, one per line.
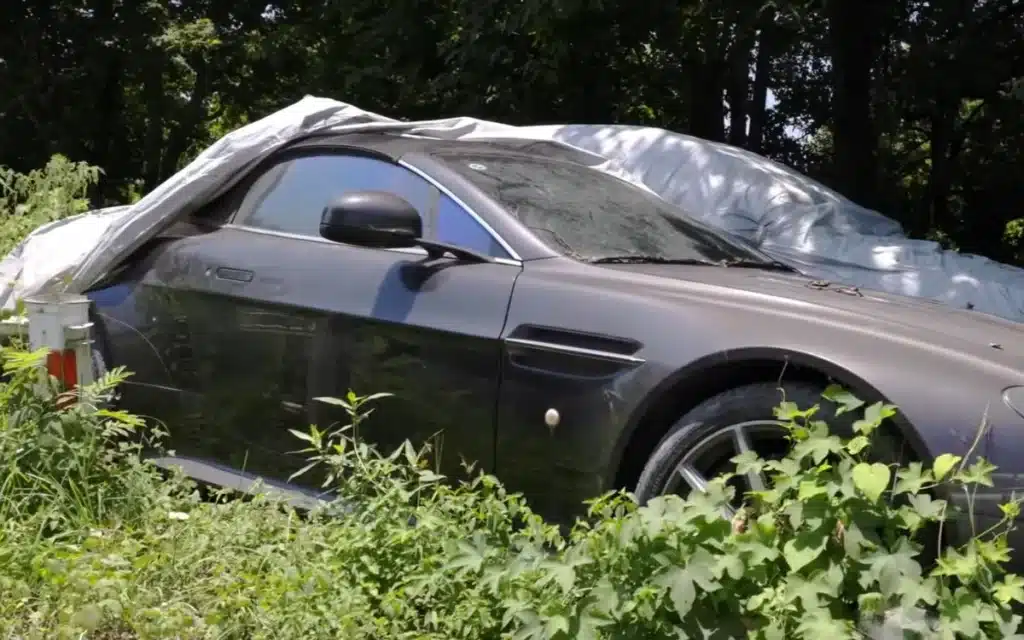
<point>936,204</point>
<point>738,92</point>
<point>107,106</point>
<point>153,144</point>
<point>762,74</point>
<point>853,52</point>
<point>191,119</point>
<point>707,109</point>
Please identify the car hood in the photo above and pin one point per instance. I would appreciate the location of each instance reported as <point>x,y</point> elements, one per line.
<point>970,331</point>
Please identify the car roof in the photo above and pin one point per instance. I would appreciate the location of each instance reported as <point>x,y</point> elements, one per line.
<point>394,145</point>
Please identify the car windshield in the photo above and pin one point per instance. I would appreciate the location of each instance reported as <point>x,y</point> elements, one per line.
<point>591,215</point>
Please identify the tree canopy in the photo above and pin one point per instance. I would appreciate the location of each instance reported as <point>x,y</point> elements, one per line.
<point>911,107</point>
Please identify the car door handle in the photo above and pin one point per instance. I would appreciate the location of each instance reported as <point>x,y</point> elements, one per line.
<point>237,275</point>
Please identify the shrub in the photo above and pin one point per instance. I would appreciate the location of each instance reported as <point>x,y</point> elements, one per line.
<point>95,543</point>
<point>29,200</point>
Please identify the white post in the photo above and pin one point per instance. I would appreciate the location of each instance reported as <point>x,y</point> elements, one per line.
<point>60,322</point>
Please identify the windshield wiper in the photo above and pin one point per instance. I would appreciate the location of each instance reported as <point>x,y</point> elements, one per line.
<point>771,265</point>
<point>638,259</point>
<point>742,263</point>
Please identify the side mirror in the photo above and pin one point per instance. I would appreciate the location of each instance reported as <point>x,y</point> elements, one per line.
<point>375,219</point>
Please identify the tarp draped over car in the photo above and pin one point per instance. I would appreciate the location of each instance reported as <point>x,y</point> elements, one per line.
<point>780,211</point>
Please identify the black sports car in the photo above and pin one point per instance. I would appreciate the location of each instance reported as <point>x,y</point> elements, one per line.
<point>561,327</point>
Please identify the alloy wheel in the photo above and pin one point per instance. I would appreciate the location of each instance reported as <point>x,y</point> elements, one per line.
<point>712,455</point>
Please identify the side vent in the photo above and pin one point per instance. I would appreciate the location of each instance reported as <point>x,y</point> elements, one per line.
<point>571,353</point>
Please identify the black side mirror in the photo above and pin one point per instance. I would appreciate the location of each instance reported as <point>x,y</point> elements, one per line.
<point>375,219</point>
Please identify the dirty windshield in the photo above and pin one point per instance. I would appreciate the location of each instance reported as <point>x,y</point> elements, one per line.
<point>590,215</point>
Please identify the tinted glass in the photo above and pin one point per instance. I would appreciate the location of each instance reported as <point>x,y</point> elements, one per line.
<point>456,226</point>
<point>291,196</point>
<point>586,214</point>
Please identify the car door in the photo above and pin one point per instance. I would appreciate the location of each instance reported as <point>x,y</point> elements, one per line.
<point>279,316</point>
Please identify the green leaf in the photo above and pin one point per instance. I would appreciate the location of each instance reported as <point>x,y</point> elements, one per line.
<point>994,551</point>
<point>960,565</point>
<point>817,448</point>
<point>748,462</point>
<point>808,592</point>
<point>338,402</point>
<point>467,559</point>
<point>564,575</point>
<point>871,479</point>
<point>428,476</point>
<point>603,598</point>
<point>302,436</point>
<point>921,508</point>
<point>804,549</point>
<point>756,553</point>
<point>840,396</point>
<point>681,589</point>
<point>810,489</point>
<point>870,602</point>
<point>916,589</point>
<point>911,479</point>
<point>857,444</point>
<point>303,470</point>
<point>978,473</point>
<point>874,416</point>
<point>787,411</point>
<point>682,582</point>
<point>556,624</point>
<point>1009,589</point>
<point>927,507</point>
<point>729,565</point>
<point>785,467</point>
<point>88,617</point>
<point>1011,509</point>
<point>944,464</point>
<point>699,566</point>
<point>820,624</point>
<point>588,626</point>
<point>890,570</point>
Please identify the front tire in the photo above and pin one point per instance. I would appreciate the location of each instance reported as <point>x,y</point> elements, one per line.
<point>700,445</point>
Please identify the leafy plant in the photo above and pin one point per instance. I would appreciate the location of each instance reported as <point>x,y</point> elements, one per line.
<point>66,456</point>
<point>831,547</point>
<point>28,200</point>
<point>95,543</point>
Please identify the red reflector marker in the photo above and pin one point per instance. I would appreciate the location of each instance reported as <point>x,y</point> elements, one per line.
<point>63,365</point>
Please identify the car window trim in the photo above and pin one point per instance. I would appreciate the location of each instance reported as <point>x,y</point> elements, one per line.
<point>418,251</point>
<point>252,175</point>
<point>465,207</point>
<point>237,219</point>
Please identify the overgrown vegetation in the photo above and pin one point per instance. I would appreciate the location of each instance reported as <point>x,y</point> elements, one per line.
<point>96,543</point>
<point>911,107</point>
<point>29,200</point>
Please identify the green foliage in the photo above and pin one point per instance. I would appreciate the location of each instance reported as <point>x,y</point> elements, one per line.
<point>1014,238</point>
<point>96,543</point>
<point>29,200</point>
<point>911,106</point>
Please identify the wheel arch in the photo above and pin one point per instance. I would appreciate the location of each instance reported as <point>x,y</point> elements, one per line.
<point>687,387</point>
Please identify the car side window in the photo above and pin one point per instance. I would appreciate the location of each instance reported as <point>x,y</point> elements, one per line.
<point>456,226</point>
<point>290,197</point>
